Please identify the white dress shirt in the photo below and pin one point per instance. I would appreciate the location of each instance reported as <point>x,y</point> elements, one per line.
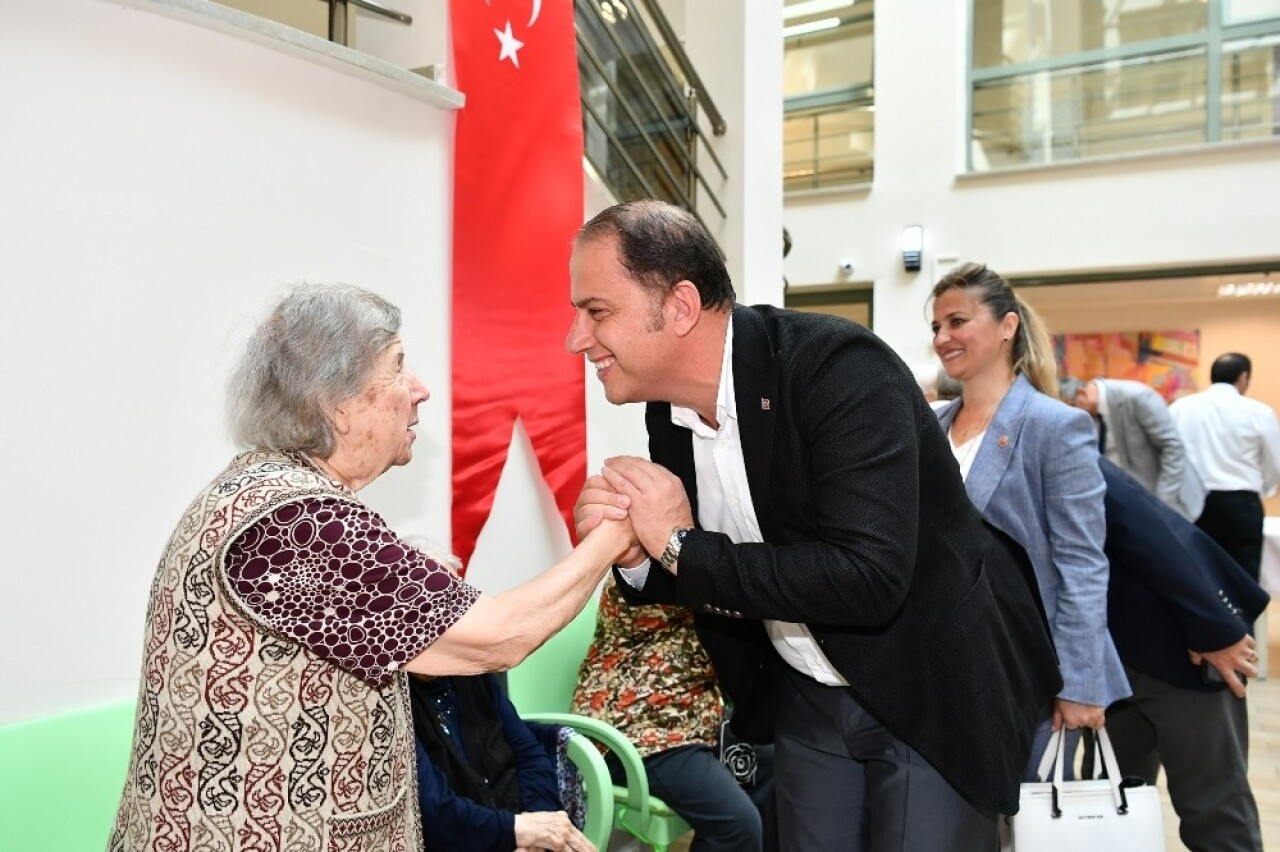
<point>1233,442</point>
<point>725,506</point>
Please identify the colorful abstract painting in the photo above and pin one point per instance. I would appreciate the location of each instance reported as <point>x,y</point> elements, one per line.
<point>1165,360</point>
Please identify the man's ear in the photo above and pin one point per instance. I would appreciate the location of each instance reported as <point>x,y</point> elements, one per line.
<point>684,305</point>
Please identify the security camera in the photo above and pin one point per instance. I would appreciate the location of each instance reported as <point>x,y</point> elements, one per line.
<point>847,265</point>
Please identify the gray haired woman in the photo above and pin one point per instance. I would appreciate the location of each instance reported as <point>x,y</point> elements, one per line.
<point>273,708</point>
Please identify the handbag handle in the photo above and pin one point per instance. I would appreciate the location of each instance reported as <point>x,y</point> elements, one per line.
<point>1054,755</point>
<point>1052,752</point>
<point>1113,770</point>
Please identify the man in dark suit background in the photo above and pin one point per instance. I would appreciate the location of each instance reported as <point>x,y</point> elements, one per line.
<point>1180,606</point>
<point>805,504</point>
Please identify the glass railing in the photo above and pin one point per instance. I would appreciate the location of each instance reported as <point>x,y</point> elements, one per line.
<point>644,109</point>
<point>1110,108</point>
<point>1128,78</point>
<point>828,147</point>
<point>1251,88</point>
<point>828,131</point>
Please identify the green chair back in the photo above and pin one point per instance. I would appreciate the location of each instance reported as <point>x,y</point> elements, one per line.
<point>542,689</point>
<point>61,777</point>
<point>545,681</point>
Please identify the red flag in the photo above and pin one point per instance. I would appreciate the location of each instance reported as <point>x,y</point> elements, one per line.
<point>517,202</point>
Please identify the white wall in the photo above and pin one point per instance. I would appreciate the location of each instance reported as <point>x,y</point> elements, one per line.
<point>1206,206</point>
<point>160,182</point>
<point>736,47</point>
<point>424,42</point>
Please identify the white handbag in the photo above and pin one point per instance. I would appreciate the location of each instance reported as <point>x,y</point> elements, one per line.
<point>1093,815</point>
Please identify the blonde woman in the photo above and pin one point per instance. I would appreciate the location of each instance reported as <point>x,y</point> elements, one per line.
<point>1030,466</point>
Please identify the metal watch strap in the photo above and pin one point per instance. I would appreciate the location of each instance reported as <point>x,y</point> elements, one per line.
<point>672,551</point>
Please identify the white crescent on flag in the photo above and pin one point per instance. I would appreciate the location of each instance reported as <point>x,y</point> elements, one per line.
<point>537,10</point>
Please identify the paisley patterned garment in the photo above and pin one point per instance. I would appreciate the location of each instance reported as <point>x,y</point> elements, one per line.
<point>649,676</point>
<point>272,714</point>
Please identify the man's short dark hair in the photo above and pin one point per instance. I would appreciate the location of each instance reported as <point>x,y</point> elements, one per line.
<point>661,244</point>
<point>1228,368</point>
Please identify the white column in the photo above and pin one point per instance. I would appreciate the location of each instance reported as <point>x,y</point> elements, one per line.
<point>736,47</point>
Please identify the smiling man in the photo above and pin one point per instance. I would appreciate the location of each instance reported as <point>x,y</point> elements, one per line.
<point>803,502</point>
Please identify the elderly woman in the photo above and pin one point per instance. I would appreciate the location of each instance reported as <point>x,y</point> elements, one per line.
<point>273,711</point>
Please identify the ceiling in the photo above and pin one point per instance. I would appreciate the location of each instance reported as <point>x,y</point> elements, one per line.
<point>1208,289</point>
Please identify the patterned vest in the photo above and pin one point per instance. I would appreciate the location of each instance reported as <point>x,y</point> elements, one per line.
<point>647,674</point>
<point>243,738</point>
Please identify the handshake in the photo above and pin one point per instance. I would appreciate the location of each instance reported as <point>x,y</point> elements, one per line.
<point>647,501</point>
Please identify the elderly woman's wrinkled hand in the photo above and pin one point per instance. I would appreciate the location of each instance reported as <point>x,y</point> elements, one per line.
<point>598,503</point>
<point>622,541</point>
<point>550,830</point>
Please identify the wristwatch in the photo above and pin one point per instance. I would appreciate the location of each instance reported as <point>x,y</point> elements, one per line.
<point>672,551</point>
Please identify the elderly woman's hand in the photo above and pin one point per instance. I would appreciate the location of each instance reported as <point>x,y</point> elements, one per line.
<point>550,830</point>
<point>599,502</point>
<point>621,539</point>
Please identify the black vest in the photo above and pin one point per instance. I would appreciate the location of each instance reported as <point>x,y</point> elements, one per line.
<point>486,773</point>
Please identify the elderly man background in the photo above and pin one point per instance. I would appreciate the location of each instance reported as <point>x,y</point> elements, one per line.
<point>1136,432</point>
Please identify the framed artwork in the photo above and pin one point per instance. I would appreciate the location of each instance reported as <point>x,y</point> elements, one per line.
<point>1165,360</point>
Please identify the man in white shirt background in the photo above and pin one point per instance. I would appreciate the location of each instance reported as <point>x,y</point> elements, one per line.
<point>1233,443</point>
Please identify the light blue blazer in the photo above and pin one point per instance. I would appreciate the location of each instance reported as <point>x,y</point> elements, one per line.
<point>1036,477</point>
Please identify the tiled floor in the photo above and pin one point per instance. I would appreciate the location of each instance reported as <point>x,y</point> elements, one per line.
<point>1264,754</point>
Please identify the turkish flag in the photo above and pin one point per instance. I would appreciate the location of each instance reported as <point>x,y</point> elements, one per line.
<point>517,203</point>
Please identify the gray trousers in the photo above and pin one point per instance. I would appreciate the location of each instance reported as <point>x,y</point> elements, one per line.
<point>843,782</point>
<point>1202,740</point>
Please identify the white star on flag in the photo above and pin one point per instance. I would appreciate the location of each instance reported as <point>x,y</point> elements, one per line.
<point>510,44</point>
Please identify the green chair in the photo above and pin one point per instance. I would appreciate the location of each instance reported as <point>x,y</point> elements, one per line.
<point>542,690</point>
<point>60,778</point>
<point>597,785</point>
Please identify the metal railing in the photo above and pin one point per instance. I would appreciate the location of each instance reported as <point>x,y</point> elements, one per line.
<point>338,16</point>
<point>640,100</point>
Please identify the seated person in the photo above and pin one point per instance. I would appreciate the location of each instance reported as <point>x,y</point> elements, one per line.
<point>648,675</point>
<point>1180,610</point>
<point>485,781</point>
<point>486,778</point>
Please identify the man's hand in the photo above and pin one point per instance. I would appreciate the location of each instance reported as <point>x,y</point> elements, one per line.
<point>598,502</point>
<point>658,503</point>
<point>1241,657</point>
<point>550,830</point>
<point>1072,715</point>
